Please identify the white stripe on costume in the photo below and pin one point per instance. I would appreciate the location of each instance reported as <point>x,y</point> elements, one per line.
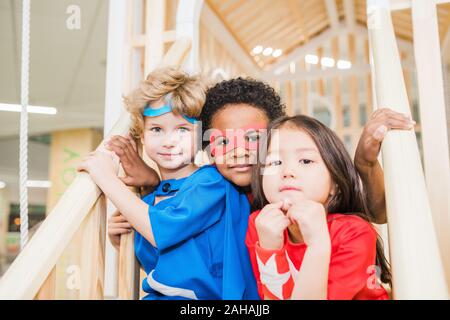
<point>169,291</point>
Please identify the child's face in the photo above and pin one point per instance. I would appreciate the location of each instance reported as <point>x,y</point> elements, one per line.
<point>169,140</point>
<point>236,163</point>
<point>294,169</point>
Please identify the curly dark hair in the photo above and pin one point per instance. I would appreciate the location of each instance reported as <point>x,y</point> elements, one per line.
<point>249,91</point>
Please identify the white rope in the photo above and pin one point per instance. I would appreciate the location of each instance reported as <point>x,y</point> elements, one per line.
<point>23,157</point>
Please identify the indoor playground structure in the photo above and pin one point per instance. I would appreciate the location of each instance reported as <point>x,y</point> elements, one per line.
<point>387,43</point>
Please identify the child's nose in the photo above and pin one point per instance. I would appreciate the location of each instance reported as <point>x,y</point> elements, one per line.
<point>170,140</point>
<point>288,172</point>
<point>239,152</point>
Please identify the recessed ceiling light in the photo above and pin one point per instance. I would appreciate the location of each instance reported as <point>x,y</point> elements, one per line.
<point>312,59</point>
<point>267,51</point>
<point>257,49</point>
<point>344,64</point>
<point>277,53</point>
<point>30,109</point>
<point>327,62</point>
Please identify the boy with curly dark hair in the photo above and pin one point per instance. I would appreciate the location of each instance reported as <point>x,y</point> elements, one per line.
<point>238,109</point>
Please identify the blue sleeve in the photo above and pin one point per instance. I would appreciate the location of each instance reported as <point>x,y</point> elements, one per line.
<point>201,205</point>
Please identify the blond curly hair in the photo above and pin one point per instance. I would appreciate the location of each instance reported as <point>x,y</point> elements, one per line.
<point>187,95</point>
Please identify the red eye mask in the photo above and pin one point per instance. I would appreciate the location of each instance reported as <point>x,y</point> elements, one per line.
<point>223,142</point>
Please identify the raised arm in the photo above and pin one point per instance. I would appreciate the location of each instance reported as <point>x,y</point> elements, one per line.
<point>366,157</point>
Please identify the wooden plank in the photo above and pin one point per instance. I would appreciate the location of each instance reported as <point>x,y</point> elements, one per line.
<point>336,89</point>
<point>155,27</point>
<point>408,209</point>
<point>427,53</point>
<point>298,13</point>
<point>92,263</point>
<point>289,99</point>
<point>349,8</point>
<point>353,94</point>
<point>332,13</point>
<point>320,81</point>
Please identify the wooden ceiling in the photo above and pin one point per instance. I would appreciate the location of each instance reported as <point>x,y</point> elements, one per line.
<point>288,24</point>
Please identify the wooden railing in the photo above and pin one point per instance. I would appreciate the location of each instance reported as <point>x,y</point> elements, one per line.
<point>416,261</point>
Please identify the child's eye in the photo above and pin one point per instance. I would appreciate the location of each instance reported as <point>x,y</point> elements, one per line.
<point>155,129</point>
<point>252,138</point>
<point>274,163</point>
<point>305,161</point>
<point>223,142</point>
<point>183,129</point>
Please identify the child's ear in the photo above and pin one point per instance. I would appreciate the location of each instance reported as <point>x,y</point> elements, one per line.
<point>334,190</point>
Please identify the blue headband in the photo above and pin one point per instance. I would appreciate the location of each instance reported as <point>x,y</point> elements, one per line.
<point>151,112</point>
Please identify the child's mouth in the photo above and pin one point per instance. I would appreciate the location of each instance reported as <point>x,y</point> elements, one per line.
<point>289,188</point>
<point>241,167</point>
<point>169,155</point>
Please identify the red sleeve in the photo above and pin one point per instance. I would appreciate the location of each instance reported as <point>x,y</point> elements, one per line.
<point>349,263</point>
<point>250,241</point>
<point>270,267</point>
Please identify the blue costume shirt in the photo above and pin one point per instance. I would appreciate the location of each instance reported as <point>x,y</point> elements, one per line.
<point>200,239</point>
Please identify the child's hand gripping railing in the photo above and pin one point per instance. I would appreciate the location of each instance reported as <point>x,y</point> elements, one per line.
<point>82,204</point>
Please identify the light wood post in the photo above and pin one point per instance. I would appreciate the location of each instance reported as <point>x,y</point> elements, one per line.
<point>415,258</point>
<point>433,122</point>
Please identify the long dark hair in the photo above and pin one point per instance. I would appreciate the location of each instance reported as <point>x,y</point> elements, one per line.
<point>349,197</point>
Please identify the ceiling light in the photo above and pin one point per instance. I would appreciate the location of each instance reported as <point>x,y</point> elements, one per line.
<point>327,62</point>
<point>277,53</point>
<point>312,59</point>
<point>30,109</point>
<point>257,49</point>
<point>267,51</point>
<point>344,64</point>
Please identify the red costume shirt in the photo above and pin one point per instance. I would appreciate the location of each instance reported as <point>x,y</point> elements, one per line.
<point>352,272</point>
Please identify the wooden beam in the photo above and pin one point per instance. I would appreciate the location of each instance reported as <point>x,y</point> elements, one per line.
<point>349,9</point>
<point>320,81</point>
<point>353,93</point>
<point>446,43</point>
<point>332,13</point>
<point>433,120</point>
<point>229,41</point>
<point>336,89</point>
<point>154,33</point>
<point>408,209</point>
<point>294,6</point>
<point>406,4</point>
<point>303,90</point>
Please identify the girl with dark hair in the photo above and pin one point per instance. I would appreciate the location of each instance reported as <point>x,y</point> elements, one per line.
<point>313,238</point>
